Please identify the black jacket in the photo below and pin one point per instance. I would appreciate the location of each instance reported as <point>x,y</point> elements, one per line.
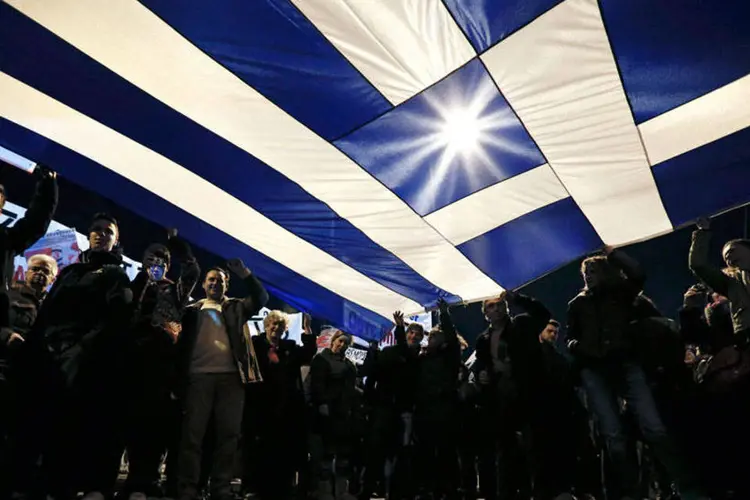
<point>236,313</point>
<point>280,397</point>
<point>83,319</point>
<point>333,380</point>
<point>156,303</point>
<point>392,377</point>
<point>521,334</point>
<point>155,306</point>
<point>599,319</point>
<point>26,231</point>
<point>23,307</point>
<point>438,368</point>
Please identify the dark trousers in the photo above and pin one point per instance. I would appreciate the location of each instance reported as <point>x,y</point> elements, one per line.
<point>279,450</point>
<point>503,468</point>
<point>630,383</point>
<point>221,396</point>
<point>436,454</point>
<point>151,420</point>
<point>382,445</point>
<point>74,424</point>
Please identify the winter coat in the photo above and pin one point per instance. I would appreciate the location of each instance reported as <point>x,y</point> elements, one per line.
<point>158,308</point>
<point>391,381</point>
<point>280,397</point>
<point>735,287</point>
<point>521,335</point>
<point>82,320</point>
<point>333,379</point>
<point>23,307</point>
<point>599,319</point>
<point>236,313</point>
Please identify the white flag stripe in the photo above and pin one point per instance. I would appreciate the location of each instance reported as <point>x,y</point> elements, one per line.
<point>499,204</point>
<point>400,46</point>
<point>16,160</point>
<point>706,119</point>
<point>560,76</point>
<point>134,43</point>
<point>38,112</point>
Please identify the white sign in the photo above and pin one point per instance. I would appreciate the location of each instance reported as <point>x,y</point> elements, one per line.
<point>295,325</point>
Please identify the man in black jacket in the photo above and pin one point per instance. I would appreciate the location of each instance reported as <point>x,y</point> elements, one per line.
<point>509,371</point>
<point>436,409</point>
<point>71,368</point>
<point>391,381</point>
<point>216,359</point>
<point>159,304</point>
<point>600,322</point>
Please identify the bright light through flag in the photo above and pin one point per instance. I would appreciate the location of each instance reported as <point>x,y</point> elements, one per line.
<point>461,130</point>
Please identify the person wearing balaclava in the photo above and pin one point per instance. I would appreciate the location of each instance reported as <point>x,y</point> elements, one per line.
<point>74,365</point>
<point>151,409</point>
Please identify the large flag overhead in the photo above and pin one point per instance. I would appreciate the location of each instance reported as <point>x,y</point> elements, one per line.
<point>367,156</point>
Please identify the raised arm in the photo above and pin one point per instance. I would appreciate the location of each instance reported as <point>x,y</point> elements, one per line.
<point>699,262</point>
<point>399,333</point>
<point>446,322</point>
<point>538,314</point>
<point>309,342</point>
<point>32,226</point>
<point>635,278</point>
<point>190,271</point>
<point>257,296</point>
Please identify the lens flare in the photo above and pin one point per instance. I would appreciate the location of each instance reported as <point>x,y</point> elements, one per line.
<point>461,131</point>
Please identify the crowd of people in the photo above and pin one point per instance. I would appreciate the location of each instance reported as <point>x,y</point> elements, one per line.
<point>95,367</point>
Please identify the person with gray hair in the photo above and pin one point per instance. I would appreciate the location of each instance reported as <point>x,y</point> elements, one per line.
<point>27,296</point>
<point>277,406</point>
<point>24,301</point>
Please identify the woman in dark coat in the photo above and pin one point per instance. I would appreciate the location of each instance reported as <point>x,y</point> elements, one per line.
<point>333,380</point>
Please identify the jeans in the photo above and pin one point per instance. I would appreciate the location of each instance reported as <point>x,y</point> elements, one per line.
<point>221,396</point>
<point>629,382</point>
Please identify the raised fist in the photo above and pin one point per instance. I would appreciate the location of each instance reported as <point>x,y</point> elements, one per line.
<point>238,267</point>
<point>704,223</point>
